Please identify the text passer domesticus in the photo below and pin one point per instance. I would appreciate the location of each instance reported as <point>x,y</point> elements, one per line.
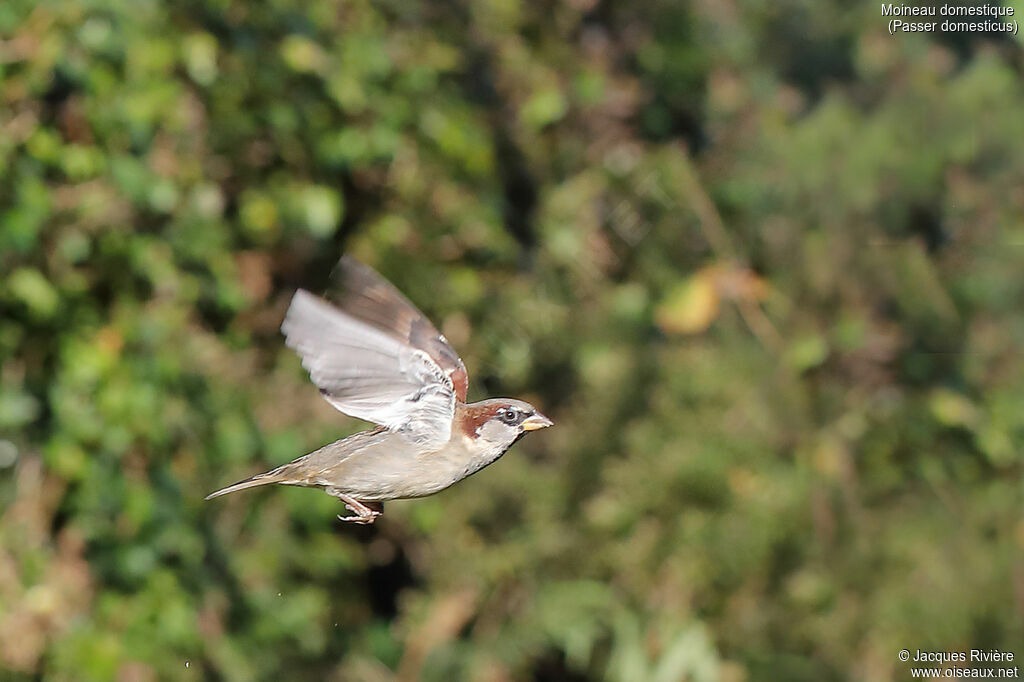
<point>376,357</point>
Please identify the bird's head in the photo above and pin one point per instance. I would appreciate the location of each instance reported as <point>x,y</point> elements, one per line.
<point>500,422</point>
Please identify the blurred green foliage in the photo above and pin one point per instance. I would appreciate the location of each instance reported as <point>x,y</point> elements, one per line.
<point>761,262</point>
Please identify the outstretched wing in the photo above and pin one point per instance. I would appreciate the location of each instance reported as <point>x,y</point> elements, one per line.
<point>362,293</point>
<point>374,356</point>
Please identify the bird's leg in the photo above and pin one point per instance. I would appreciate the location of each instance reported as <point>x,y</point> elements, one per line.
<point>366,512</point>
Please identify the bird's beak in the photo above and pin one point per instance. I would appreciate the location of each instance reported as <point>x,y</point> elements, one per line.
<point>536,421</point>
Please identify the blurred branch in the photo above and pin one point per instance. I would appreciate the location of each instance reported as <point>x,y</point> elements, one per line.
<point>449,614</point>
<point>714,231</point>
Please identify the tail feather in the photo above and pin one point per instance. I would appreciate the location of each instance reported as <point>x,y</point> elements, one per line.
<point>258,479</point>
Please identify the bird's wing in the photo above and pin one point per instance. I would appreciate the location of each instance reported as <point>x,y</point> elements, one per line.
<point>362,293</point>
<point>375,357</point>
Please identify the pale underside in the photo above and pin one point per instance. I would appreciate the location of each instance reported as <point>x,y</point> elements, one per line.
<point>379,465</point>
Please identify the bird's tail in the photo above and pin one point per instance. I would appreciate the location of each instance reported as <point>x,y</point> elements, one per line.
<point>258,479</point>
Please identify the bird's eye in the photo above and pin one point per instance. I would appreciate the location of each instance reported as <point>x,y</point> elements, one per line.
<point>510,416</point>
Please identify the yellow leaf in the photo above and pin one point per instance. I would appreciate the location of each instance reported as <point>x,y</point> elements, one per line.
<point>690,307</point>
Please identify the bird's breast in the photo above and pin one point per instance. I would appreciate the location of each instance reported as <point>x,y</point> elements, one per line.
<point>390,467</point>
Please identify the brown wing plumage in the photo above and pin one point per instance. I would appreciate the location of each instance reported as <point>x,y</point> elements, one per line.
<point>360,292</point>
<point>375,357</point>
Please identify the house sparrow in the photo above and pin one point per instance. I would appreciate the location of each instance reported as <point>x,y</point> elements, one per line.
<point>376,357</point>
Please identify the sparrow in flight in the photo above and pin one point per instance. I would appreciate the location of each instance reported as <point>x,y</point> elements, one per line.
<point>374,356</point>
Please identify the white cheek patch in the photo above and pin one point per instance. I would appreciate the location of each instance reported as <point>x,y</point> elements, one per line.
<point>493,430</point>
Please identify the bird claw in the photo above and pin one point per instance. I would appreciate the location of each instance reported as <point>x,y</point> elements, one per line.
<point>365,513</point>
<point>361,518</point>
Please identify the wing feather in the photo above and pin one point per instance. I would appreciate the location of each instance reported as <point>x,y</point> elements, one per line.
<point>366,296</point>
<point>368,373</point>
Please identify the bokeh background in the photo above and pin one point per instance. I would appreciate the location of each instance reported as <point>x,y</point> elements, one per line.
<point>760,261</point>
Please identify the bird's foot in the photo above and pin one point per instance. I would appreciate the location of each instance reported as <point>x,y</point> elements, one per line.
<point>363,519</point>
<point>365,512</point>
